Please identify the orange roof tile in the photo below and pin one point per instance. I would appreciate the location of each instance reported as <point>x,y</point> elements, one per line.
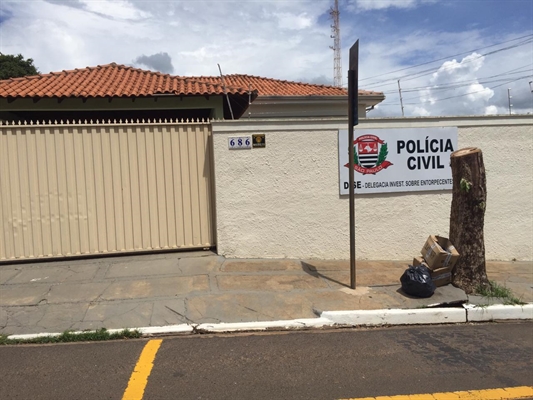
<point>114,80</point>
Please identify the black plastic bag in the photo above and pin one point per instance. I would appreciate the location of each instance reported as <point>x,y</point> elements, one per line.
<point>416,281</point>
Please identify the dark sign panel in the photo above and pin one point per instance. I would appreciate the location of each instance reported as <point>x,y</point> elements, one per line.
<point>258,140</point>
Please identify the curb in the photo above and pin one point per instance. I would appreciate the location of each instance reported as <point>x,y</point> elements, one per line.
<point>304,323</point>
<point>498,312</point>
<point>396,317</point>
<point>383,317</point>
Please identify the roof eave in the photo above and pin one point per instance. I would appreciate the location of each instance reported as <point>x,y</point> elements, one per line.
<point>368,99</point>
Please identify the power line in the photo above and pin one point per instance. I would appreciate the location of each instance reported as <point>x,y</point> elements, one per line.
<point>460,95</point>
<point>445,58</point>
<point>431,70</point>
<point>453,85</point>
<point>477,91</point>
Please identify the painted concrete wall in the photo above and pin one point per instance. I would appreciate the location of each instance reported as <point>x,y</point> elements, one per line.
<point>283,200</point>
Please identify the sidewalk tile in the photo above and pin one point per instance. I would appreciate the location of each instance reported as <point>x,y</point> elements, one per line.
<point>21,320</point>
<point>363,278</point>
<point>261,265</point>
<point>199,265</point>
<point>76,292</point>
<point>169,312</point>
<point>136,268</point>
<point>61,317</point>
<point>269,282</point>
<point>56,274</point>
<point>159,287</point>
<point>6,274</point>
<point>117,315</point>
<point>22,295</point>
<point>249,307</point>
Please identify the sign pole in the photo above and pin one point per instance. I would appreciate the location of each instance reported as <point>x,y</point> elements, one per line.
<point>353,119</point>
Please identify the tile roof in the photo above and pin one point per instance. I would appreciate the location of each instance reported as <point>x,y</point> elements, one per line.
<point>114,80</point>
<point>276,87</point>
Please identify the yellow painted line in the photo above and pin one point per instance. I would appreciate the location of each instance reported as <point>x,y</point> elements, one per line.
<point>139,376</point>
<point>513,393</point>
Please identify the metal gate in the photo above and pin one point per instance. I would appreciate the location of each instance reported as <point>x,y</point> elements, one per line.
<point>79,189</point>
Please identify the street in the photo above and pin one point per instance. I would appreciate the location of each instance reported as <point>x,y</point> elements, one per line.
<point>332,364</point>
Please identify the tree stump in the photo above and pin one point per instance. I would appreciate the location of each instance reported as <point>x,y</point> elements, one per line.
<point>467,218</point>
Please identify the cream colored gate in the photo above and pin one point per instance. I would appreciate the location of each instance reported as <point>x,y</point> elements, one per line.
<point>75,189</point>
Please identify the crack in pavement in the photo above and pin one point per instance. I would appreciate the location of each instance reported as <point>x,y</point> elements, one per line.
<point>7,320</point>
<point>40,319</point>
<point>183,316</point>
<point>260,313</point>
<point>133,308</point>
<point>44,297</point>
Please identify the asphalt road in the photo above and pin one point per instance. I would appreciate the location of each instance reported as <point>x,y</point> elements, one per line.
<point>292,365</point>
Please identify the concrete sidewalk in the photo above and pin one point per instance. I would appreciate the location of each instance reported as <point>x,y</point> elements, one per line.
<point>201,287</point>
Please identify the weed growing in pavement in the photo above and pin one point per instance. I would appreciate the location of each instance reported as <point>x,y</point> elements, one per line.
<point>71,336</point>
<point>497,291</point>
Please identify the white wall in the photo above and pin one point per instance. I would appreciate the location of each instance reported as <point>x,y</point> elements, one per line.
<point>283,200</point>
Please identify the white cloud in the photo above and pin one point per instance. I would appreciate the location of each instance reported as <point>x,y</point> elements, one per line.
<point>366,5</point>
<point>468,65</point>
<point>458,80</point>
<point>293,22</point>
<point>381,4</point>
<point>117,9</point>
<point>477,92</point>
<point>491,110</point>
<point>276,39</point>
<point>420,112</point>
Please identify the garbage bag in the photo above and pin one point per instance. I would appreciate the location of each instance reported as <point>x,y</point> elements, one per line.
<point>416,281</point>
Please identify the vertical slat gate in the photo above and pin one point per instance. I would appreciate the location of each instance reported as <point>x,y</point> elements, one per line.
<point>81,189</point>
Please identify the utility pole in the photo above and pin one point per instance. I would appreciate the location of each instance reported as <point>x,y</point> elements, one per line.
<point>531,90</point>
<point>336,35</point>
<point>401,99</point>
<point>509,97</point>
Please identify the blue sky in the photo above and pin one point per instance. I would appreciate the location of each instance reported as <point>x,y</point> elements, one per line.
<point>290,40</point>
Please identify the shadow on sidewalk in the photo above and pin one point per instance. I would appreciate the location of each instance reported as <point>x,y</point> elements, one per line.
<point>313,271</point>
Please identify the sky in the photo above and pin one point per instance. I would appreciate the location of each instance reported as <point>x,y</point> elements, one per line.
<point>451,57</point>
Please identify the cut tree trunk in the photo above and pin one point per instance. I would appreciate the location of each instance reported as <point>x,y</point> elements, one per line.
<point>467,218</point>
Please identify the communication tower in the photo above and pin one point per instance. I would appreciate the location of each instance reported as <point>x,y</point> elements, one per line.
<point>336,36</point>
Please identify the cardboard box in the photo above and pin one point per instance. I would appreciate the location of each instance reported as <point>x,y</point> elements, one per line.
<point>440,276</point>
<point>419,261</point>
<point>439,252</point>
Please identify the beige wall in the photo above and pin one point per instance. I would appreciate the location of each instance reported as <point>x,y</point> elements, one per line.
<point>283,200</point>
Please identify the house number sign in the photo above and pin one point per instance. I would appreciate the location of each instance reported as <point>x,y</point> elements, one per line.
<point>239,142</point>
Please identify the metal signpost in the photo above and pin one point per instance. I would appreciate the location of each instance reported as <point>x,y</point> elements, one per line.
<point>353,119</point>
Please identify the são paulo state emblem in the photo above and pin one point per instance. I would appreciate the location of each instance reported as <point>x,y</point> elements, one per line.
<point>370,155</point>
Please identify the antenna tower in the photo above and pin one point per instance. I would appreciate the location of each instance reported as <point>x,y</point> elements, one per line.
<point>336,35</point>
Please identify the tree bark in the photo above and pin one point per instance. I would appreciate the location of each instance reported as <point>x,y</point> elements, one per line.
<point>467,218</point>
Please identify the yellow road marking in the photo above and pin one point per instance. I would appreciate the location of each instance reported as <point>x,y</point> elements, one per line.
<point>139,376</point>
<point>520,392</point>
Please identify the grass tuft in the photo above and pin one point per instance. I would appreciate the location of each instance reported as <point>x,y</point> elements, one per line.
<point>497,291</point>
<point>71,336</point>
